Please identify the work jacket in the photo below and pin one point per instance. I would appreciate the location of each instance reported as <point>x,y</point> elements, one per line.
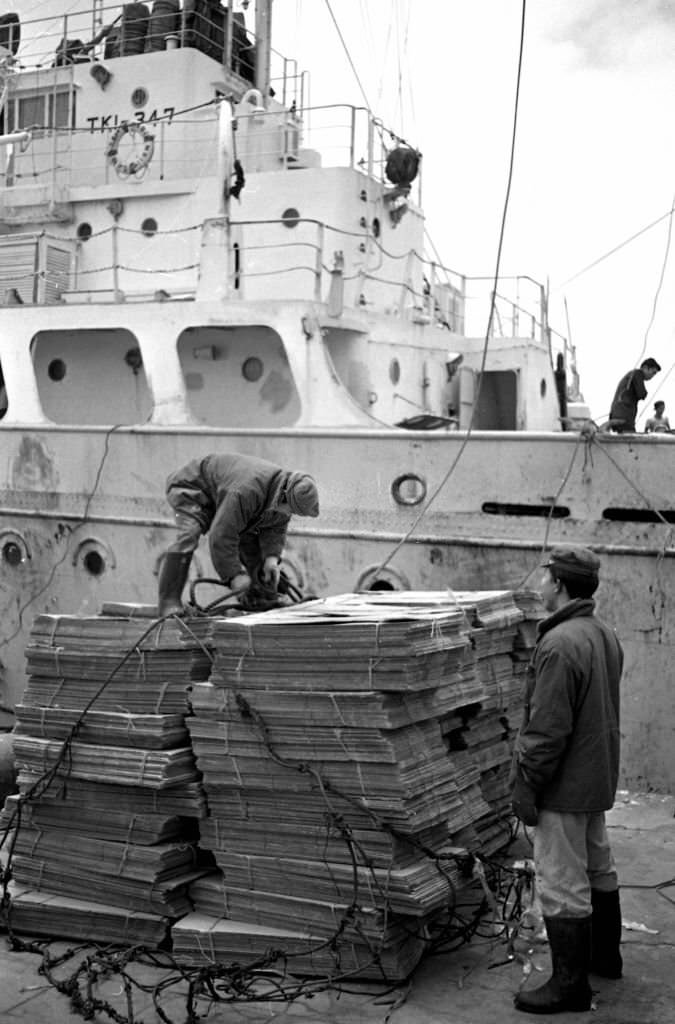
<point>567,749</point>
<point>234,498</point>
<point>630,390</point>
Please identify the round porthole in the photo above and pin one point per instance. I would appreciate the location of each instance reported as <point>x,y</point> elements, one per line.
<point>139,97</point>
<point>409,489</point>
<point>542,388</point>
<point>12,553</point>
<point>13,548</point>
<point>56,369</point>
<point>95,557</point>
<point>290,217</point>
<point>84,231</point>
<point>252,369</point>
<point>374,578</point>
<point>394,371</point>
<point>94,563</point>
<point>149,227</point>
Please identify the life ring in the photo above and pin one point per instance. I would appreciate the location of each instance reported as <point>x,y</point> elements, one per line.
<point>137,164</point>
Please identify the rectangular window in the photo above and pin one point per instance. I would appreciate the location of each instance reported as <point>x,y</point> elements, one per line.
<point>44,110</point>
<point>58,110</point>
<point>31,111</point>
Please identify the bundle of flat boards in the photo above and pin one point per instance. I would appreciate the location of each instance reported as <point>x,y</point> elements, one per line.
<point>331,788</point>
<point>73,659</point>
<point>109,792</point>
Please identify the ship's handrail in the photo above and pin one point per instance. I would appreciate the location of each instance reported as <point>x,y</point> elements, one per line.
<point>425,291</point>
<point>79,36</point>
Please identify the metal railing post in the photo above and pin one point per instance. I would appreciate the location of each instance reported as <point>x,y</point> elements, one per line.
<point>371,136</point>
<point>115,264</point>
<point>318,265</point>
<point>352,137</point>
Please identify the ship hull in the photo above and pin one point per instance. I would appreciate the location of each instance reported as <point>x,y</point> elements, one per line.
<point>85,509</point>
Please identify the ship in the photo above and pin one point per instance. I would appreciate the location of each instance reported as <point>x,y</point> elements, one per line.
<point>194,259</point>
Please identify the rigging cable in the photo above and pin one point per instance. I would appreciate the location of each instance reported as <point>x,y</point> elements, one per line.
<point>617,248</point>
<point>658,289</point>
<point>349,56</point>
<point>491,316</point>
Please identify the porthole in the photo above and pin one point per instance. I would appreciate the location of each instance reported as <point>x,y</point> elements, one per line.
<point>376,227</point>
<point>394,371</point>
<point>94,563</point>
<point>84,231</point>
<point>290,217</point>
<point>56,369</point>
<point>542,387</point>
<point>14,549</point>
<point>139,97</point>
<point>374,579</point>
<point>94,556</point>
<point>409,489</point>
<point>149,227</point>
<point>252,369</point>
<point>12,553</point>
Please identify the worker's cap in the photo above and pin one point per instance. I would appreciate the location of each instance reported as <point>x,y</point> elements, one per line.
<point>301,495</point>
<point>573,561</point>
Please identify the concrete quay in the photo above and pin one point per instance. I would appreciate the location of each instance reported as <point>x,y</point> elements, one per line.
<point>475,984</point>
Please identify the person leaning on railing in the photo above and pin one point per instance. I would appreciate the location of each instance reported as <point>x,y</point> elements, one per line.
<point>630,390</point>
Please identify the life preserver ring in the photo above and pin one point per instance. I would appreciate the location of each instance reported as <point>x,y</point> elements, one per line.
<point>138,163</point>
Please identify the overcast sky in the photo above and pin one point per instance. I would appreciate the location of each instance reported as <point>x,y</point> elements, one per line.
<point>595,148</point>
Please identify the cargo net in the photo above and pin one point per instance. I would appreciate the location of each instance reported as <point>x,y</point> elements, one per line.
<point>262,808</point>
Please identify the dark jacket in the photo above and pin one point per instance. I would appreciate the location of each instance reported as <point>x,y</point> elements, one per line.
<point>234,498</point>
<point>630,390</point>
<point>568,745</point>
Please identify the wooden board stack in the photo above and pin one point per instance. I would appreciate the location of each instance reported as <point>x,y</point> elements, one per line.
<point>337,801</point>
<point>108,850</point>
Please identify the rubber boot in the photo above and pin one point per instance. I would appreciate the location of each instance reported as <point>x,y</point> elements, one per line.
<point>606,938</point>
<point>567,989</point>
<point>172,578</point>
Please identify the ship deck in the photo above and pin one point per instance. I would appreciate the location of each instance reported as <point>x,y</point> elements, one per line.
<point>472,985</point>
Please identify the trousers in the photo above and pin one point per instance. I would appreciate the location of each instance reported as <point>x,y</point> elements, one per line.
<point>572,855</point>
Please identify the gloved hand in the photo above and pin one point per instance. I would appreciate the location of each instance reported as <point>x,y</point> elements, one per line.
<point>271,571</point>
<point>523,802</point>
<point>240,583</point>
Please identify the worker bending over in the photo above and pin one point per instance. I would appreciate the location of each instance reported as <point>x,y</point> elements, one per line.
<point>245,505</point>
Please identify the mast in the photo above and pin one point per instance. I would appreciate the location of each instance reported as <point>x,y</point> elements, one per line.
<point>263,37</point>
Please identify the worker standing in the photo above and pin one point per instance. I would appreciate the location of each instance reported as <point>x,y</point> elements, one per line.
<point>245,505</point>
<point>629,391</point>
<point>565,773</point>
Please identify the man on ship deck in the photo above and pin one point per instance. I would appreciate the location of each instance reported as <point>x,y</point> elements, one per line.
<point>245,505</point>
<point>658,423</point>
<point>630,390</point>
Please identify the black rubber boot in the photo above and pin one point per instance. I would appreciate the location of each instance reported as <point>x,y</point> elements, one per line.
<point>172,578</point>
<point>606,938</point>
<point>567,989</point>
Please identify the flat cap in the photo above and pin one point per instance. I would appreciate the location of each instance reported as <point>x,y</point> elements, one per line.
<point>574,561</point>
<point>302,495</point>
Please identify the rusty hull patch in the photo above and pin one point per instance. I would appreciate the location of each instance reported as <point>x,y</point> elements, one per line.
<point>33,470</point>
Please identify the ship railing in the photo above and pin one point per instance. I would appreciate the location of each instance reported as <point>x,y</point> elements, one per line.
<point>102,32</point>
<point>62,154</point>
<point>517,308</point>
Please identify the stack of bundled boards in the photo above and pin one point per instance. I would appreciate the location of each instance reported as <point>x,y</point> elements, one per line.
<point>106,851</point>
<point>350,748</point>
